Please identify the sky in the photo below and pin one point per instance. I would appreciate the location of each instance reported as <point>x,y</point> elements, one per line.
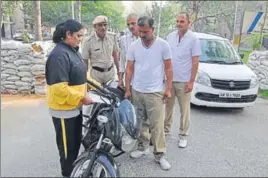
<point>127,4</point>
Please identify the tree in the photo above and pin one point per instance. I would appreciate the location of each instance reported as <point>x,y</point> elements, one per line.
<point>263,24</point>
<point>112,9</point>
<point>206,15</point>
<point>78,10</point>
<point>54,12</point>
<point>7,10</point>
<point>28,11</point>
<point>38,31</point>
<point>140,8</point>
<point>168,17</point>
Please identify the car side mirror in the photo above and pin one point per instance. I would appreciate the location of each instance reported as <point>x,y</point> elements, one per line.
<point>241,55</point>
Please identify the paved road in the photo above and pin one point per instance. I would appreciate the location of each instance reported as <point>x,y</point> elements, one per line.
<point>222,143</point>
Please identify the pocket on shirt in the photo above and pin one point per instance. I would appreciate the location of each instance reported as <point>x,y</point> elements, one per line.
<point>96,54</point>
<point>184,52</point>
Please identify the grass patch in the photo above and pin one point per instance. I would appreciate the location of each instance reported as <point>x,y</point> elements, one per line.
<point>246,54</point>
<point>264,94</point>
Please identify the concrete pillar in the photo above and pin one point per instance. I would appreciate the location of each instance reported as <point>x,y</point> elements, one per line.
<point>237,26</point>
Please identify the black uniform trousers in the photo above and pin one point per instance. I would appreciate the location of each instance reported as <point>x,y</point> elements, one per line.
<point>68,139</point>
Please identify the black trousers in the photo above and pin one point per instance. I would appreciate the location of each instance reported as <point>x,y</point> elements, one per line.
<point>68,139</point>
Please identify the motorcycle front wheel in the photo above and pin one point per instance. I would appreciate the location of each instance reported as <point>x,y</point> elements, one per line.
<point>99,169</point>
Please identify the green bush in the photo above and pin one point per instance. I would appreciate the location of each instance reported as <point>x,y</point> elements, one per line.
<point>25,36</point>
<point>254,40</point>
<point>246,55</point>
<point>264,94</point>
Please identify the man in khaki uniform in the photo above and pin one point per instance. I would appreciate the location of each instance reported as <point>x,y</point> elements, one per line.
<point>101,52</point>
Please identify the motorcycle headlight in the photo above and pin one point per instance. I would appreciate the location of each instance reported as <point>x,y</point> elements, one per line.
<point>203,78</point>
<point>128,143</point>
<point>254,81</point>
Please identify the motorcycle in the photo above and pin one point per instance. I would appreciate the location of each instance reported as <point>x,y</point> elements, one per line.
<point>111,126</point>
<point>88,111</point>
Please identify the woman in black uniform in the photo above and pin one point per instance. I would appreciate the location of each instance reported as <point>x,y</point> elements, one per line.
<point>66,76</point>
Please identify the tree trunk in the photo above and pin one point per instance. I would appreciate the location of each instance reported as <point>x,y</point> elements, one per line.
<point>38,31</point>
<point>78,10</point>
<point>263,24</point>
<point>194,13</point>
<point>1,12</point>
<point>11,26</point>
<point>72,6</point>
<point>159,19</point>
<point>24,15</point>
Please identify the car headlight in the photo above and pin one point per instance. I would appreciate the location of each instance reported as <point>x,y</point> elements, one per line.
<point>203,78</point>
<point>254,81</point>
<point>128,143</point>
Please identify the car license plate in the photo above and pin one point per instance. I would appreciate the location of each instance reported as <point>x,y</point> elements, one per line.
<point>230,95</point>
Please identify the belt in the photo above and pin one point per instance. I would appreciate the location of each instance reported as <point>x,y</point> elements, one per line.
<point>102,69</point>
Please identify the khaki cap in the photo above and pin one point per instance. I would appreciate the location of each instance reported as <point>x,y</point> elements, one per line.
<point>100,19</point>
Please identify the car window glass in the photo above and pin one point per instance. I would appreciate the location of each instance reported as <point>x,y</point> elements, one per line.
<point>217,50</point>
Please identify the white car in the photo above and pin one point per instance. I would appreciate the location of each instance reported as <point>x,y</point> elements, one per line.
<point>223,80</point>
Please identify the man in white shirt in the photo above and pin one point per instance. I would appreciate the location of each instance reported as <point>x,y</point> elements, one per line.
<point>149,60</point>
<point>125,42</point>
<point>185,47</point>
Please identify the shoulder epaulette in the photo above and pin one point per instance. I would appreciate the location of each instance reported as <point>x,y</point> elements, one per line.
<point>111,33</point>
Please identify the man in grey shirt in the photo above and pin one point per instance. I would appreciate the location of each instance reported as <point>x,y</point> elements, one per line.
<point>185,47</point>
<point>125,42</point>
<point>149,60</point>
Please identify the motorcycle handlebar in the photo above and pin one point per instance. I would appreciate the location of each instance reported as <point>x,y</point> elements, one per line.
<point>104,91</point>
<point>96,86</point>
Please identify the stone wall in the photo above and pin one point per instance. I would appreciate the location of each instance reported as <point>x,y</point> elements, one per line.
<point>22,69</point>
<point>258,62</point>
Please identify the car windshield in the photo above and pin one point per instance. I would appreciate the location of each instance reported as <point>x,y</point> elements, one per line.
<point>218,51</point>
